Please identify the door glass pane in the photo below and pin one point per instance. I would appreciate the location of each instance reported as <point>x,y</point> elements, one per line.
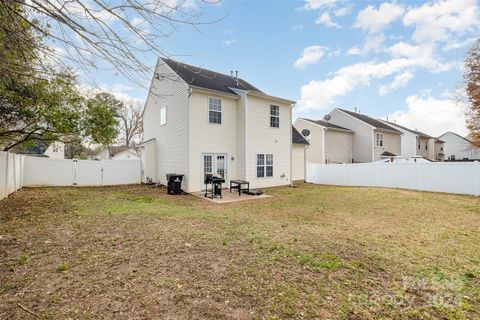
<point>207,164</point>
<point>221,166</point>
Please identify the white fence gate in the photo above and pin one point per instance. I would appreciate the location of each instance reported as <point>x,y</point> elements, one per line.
<point>452,177</point>
<point>65,172</point>
<point>17,171</point>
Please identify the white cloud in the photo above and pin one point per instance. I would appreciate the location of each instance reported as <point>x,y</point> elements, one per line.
<point>439,20</point>
<point>401,80</point>
<point>318,4</point>
<point>320,94</point>
<point>374,20</point>
<point>229,42</point>
<point>340,12</point>
<point>422,55</point>
<point>326,20</point>
<point>297,27</point>
<point>372,43</point>
<point>310,55</point>
<point>431,115</point>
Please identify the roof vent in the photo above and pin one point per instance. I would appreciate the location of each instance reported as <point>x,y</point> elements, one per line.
<point>236,74</point>
<point>231,73</point>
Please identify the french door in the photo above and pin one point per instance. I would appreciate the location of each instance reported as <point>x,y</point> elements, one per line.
<point>215,163</point>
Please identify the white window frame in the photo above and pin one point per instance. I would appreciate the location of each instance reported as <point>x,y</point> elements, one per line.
<point>163,115</point>
<point>274,116</point>
<point>264,163</point>
<point>379,139</point>
<point>219,111</point>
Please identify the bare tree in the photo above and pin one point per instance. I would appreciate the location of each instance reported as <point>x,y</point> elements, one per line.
<point>472,79</point>
<point>92,35</point>
<point>131,125</point>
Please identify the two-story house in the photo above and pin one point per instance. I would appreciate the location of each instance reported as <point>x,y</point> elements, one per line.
<point>372,138</point>
<point>198,121</point>
<point>459,148</point>
<point>417,143</point>
<point>329,143</point>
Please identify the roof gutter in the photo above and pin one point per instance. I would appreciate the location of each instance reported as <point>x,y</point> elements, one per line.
<point>263,95</point>
<point>218,93</point>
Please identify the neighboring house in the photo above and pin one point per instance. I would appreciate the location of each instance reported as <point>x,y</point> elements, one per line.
<point>196,121</point>
<point>459,148</point>
<point>299,148</point>
<point>117,153</point>
<point>417,143</point>
<point>53,150</point>
<point>371,138</point>
<point>329,143</point>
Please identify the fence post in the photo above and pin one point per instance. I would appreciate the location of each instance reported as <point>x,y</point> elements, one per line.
<point>14,173</point>
<point>377,174</point>
<point>344,174</point>
<point>476,177</point>
<point>6,174</point>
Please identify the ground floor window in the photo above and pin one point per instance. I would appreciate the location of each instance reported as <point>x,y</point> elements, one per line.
<point>264,165</point>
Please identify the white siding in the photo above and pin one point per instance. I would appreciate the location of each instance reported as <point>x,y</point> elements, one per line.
<point>262,139</point>
<point>391,143</point>
<point>338,146</point>
<point>205,137</point>
<point>315,152</point>
<point>171,139</point>
<point>56,150</point>
<point>459,147</point>
<point>362,136</point>
<point>298,162</point>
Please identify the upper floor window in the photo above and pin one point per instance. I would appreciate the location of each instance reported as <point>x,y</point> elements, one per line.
<point>163,115</point>
<point>215,110</point>
<point>379,140</point>
<point>55,147</point>
<point>418,145</point>
<point>274,116</point>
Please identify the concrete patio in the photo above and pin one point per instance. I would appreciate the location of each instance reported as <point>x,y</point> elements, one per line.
<point>228,197</point>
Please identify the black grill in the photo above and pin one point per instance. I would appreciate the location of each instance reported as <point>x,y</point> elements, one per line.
<point>215,183</point>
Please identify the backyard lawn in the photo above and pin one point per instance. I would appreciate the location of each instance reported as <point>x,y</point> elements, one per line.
<point>311,252</point>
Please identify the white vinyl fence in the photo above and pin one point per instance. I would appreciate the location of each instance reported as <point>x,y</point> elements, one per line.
<point>17,171</point>
<point>11,173</point>
<point>452,177</point>
<point>66,172</point>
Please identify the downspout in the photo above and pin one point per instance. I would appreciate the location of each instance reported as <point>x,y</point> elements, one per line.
<point>305,163</point>
<point>291,145</point>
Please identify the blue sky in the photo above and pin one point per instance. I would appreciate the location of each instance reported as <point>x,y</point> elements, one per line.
<point>397,59</point>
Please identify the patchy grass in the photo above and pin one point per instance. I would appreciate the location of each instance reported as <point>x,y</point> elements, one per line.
<point>304,253</point>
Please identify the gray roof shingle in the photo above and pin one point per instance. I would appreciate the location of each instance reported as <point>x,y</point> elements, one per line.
<point>208,79</point>
<point>371,121</point>
<point>297,137</point>
<point>418,133</point>
<point>326,124</point>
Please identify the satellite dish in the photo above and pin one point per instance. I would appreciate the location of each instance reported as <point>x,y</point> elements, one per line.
<point>327,117</point>
<point>305,132</point>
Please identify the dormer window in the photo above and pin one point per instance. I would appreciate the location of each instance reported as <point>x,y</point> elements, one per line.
<point>215,110</point>
<point>274,116</point>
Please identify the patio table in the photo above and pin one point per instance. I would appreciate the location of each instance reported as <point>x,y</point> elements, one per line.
<point>239,185</point>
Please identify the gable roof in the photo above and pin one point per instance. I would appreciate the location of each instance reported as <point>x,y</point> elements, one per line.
<point>297,137</point>
<point>418,133</point>
<point>327,124</point>
<point>459,136</point>
<point>208,79</point>
<point>369,120</point>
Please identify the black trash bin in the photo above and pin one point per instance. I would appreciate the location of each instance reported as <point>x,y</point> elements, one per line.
<point>174,183</point>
